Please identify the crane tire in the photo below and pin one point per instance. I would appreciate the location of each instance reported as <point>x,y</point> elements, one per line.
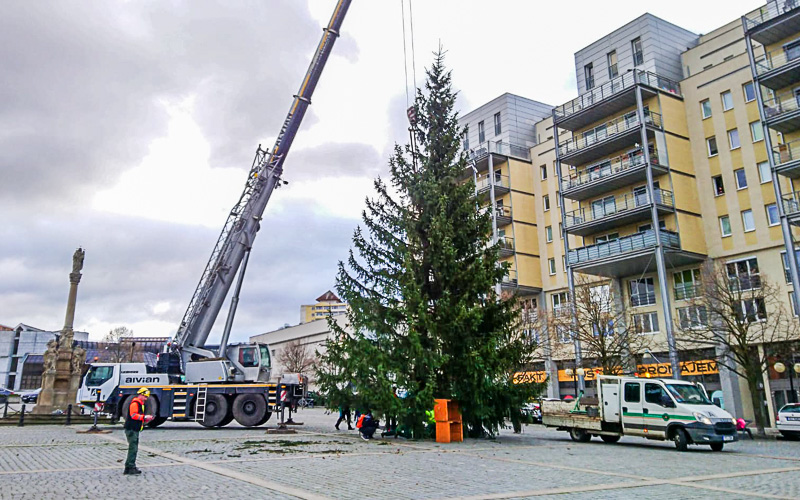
<point>249,409</point>
<point>264,420</point>
<point>228,419</point>
<point>217,409</point>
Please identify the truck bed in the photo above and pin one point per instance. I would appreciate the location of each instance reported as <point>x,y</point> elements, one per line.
<point>560,414</point>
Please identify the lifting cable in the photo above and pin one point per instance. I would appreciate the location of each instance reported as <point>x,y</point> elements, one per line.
<point>411,110</point>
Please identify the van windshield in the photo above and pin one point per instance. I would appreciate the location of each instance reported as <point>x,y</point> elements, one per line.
<point>97,375</point>
<point>688,394</point>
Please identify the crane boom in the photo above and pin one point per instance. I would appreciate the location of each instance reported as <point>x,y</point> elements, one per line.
<point>244,219</point>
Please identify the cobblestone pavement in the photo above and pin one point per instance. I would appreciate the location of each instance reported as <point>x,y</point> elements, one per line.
<point>188,461</point>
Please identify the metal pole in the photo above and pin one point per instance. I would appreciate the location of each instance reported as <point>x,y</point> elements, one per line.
<point>5,409</point>
<point>21,417</point>
<point>661,266</point>
<point>223,344</point>
<point>788,241</point>
<point>69,414</point>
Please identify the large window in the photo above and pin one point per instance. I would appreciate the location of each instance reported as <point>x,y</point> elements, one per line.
<point>744,274</point>
<point>638,53</point>
<point>560,303</point>
<point>727,100</point>
<point>711,143</point>
<point>481,133</point>
<point>613,71</point>
<point>588,72</point>
<point>498,128</point>
<point>687,284</point>
<point>733,138</point>
<point>752,310</point>
<point>646,323</point>
<point>748,222</point>
<point>764,173</point>
<point>705,108</point>
<point>603,207</point>
<point>725,226</point>
<point>757,131</point>
<point>643,292</point>
<point>749,92</point>
<point>692,317</point>
<point>741,178</point>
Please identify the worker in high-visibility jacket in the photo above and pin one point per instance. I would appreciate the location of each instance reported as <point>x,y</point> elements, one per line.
<point>134,423</point>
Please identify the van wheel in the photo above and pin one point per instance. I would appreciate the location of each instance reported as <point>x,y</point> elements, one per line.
<point>579,435</point>
<point>680,439</point>
<point>609,439</point>
<point>216,410</point>
<point>717,446</point>
<point>249,409</point>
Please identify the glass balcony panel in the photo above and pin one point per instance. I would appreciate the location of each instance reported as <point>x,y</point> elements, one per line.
<point>607,207</point>
<point>633,242</point>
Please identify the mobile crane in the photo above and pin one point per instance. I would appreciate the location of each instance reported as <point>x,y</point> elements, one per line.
<point>193,381</point>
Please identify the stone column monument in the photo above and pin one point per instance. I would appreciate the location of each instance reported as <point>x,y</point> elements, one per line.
<point>63,364</point>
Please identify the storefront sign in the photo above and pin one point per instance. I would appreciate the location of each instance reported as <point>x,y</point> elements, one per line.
<point>655,370</point>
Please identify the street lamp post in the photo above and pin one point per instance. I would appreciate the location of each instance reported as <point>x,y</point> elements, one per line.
<point>578,372</point>
<point>780,368</point>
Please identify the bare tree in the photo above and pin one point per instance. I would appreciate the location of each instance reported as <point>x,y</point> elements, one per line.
<point>118,344</point>
<point>601,322</point>
<point>297,358</point>
<point>740,314</point>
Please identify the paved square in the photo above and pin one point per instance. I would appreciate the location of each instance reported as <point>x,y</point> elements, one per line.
<point>188,461</point>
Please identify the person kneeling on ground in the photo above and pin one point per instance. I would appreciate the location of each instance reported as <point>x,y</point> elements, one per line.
<point>367,426</point>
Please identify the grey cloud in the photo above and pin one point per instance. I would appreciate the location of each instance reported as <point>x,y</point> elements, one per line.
<point>333,160</point>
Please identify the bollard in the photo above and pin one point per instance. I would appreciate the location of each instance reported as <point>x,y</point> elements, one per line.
<point>69,415</point>
<point>21,417</point>
<point>5,409</point>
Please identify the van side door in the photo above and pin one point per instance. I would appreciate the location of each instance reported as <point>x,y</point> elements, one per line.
<point>656,410</point>
<point>632,421</point>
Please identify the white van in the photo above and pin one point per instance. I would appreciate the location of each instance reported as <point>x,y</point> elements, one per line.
<point>650,408</point>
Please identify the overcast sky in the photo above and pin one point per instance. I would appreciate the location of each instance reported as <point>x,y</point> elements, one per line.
<point>128,128</point>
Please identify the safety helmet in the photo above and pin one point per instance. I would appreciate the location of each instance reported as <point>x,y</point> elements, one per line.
<point>144,391</point>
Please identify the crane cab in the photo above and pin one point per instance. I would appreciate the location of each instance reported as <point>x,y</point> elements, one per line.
<point>252,362</point>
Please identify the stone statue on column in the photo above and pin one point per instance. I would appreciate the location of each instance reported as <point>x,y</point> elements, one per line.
<point>63,362</point>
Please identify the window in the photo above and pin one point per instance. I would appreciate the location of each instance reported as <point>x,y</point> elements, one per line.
<point>733,138</point>
<point>612,64</point>
<point>588,72</point>
<point>646,323</point>
<point>546,202</point>
<point>560,303</point>
<point>636,48</point>
<point>662,224</point>
<point>756,131</point>
<point>749,92</point>
<point>655,394</point>
<point>558,199</point>
<point>603,207</point>
<point>633,392</point>
<point>744,273</point>
<point>466,142</point>
<point>562,334</point>
<point>543,171</point>
<point>606,238</point>
<point>98,375</point>
<point>248,357</point>
<point>551,264</point>
<point>772,215</point>
<point>718,185</point>
<point>725,226</point>
<point>747,221</point>
<point>561,230</point>
<point>711,142</point>
<point>548,232</point>
<point>705,108</point>
<point>692,317</point>
<point>687,284</point>
<point>752,310</point>
<point>564,263</point>
<point>786,270</point>
<point>741,178</point>
<point>727,100</point>
<point>481,133</point>
<point>643,292</point>
<point>791,301</point>
<point>764,173</point>
<point>498,129</point>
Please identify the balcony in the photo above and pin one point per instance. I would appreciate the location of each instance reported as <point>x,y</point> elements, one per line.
<point>502,215</point>
<point>776,20</point>
<point>606,214</point>
<point>611,173</point>
<point>787,159</point>
<point>778,69</point>
<point>631,255</point>
<point>782,112</point>
<point>611,98</point>
<point>506,246</point>
<point>499,152</point>
<point>607,138</point>
<point>791,207</point>
<point>501,185</point>
<point>688,291</point>
<point>510,279</point>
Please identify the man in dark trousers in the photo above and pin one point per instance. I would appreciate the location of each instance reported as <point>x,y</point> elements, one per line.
<point>344,412</point>
<point>134,423</point>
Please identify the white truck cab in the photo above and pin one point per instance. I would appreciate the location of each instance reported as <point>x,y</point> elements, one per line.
<point>106,377</point>
<point>650,408</point>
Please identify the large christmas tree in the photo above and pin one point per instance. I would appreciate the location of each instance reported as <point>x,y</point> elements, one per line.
<point>424,321</point>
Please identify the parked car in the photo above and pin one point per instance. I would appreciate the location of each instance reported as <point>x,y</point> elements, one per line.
<point>788,421</point>
<point>5,394</point>
<point>534,411</point>
<point>31,396</point>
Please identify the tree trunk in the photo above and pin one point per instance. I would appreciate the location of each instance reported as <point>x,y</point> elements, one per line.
<point>758,405</point>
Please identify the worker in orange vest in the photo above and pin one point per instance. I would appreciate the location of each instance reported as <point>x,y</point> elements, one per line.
<point>134,423</point>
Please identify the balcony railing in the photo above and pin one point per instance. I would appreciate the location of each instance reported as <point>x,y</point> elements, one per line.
<point>791,203</point>
<point>510,278</point>
<point>785,102</point>
<point>506,244</point>
<point>607,130</point>
<point>613,87</point>
<point>688,291</point>
<point>607,168</point>
<point>775,59</point>
<point>618,205</point>
<point>634,242</point>
<point>500,148</point>
<point>484,183</point>
<point>771,10</point>
<point>786,153</point>
<point>498,211</point>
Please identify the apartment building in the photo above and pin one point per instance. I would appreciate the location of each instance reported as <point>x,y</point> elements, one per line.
<point>327,304</point>
<point>659,165</point>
